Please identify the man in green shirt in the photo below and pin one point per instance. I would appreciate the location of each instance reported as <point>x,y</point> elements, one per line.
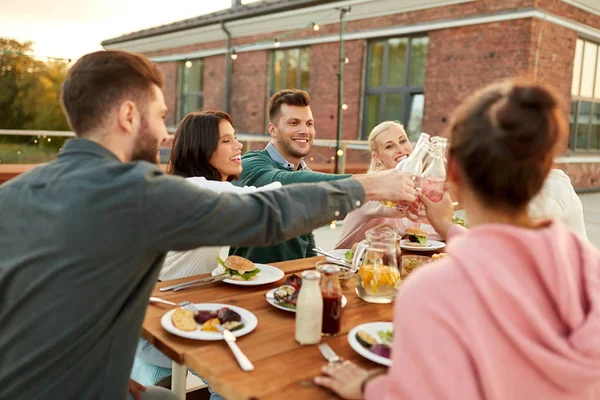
<point>82,238</point>
<point>292,130</point>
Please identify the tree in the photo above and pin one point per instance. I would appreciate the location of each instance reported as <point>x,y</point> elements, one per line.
<point>29,89</point>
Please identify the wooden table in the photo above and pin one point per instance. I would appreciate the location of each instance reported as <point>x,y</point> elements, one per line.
<point>283,368</point>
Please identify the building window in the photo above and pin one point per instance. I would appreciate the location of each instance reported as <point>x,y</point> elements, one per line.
<point>394,84</point>
<point>585,98</point>
<point>190,87</point>
<point>289,69</point>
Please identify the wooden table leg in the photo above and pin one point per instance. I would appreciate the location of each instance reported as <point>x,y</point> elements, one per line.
<point>178,381</point>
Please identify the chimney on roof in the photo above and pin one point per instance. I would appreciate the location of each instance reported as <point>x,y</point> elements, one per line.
<point>236,3</point>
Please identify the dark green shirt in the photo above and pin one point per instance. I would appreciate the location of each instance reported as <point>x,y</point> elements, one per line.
<point>82,240</point>
<point>260,168</point>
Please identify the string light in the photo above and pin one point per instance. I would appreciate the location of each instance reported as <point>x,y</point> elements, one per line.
<point>312,159</point>
<point>234,55</point>
<point>332,225</point>
<point>276,42</point>
<point>49,139</point>
<point>315,26</point>
<point>188,64</point>
<point>332,158</point>
<point>35,141</point>
<point>344,106</point>
<point>340,152</point>
<point>346,60</point>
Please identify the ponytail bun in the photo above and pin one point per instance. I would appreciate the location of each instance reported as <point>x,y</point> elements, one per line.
<point>504,138</point>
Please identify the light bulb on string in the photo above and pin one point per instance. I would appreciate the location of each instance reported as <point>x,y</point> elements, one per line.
<point>346,60</point>
<point>49,139</point>
<point>332,225</point>
<point>276,42</point>
<point>234,55</point>
<point>344,106</point>
<point>188,64</point>
<point>340,152</point>
<point>35,141</point>
<point>315,26</point>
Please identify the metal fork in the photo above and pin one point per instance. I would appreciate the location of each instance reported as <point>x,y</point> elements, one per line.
<point>186,305</point>
<point>329,354</point>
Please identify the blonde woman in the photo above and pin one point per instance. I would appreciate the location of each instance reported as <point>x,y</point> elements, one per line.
<point>389,145</point>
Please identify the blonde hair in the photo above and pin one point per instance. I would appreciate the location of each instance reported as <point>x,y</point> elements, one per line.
<point>379,129</point>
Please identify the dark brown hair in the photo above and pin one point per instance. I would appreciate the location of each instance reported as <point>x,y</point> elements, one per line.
<point>504,139</point>
<point>99,81</point>
<point>196,139</point>
<point>291,97</point>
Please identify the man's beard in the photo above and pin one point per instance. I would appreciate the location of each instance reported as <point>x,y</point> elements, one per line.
<point>288,147</point>
<point>147,146</point>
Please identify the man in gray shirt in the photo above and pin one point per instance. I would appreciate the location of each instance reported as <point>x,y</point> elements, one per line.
<point>82,238</point>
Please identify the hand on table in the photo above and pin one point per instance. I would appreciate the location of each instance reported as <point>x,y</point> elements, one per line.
<point>135,388</point>
<point>344,378</point>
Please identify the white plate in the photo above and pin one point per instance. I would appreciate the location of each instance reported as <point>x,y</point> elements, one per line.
<point>431,245</point>
<point>372,328</point>
<point>341,253</point>
<point>270,296</point>
<point>267,274</point>
<point>250,321</point>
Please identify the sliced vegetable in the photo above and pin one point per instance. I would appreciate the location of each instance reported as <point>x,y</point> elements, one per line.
<point>233,325</point>
<point>382,350</point>
<point>386,336</point>
<point>365,339</point>
<point>211,325</point>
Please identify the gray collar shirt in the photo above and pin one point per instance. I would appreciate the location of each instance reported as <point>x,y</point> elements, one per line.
<point>279,159</point>
<point>82,240</point>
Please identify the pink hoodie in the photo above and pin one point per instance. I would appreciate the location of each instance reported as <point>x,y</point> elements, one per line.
<point>512,313</point>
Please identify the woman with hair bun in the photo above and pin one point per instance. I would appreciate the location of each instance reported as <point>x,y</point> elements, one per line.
<point>513,312</point>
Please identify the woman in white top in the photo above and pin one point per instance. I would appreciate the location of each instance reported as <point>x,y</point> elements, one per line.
<point>389,145</point>
<point>207,154</point>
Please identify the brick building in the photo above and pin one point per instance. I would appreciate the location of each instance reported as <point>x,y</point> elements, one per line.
<point>408,60</point>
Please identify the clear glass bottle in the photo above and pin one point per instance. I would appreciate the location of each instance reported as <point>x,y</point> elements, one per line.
<point>309,309</point>
<point>413,166</point>
<point>433,179</point>
<point>331,292</point>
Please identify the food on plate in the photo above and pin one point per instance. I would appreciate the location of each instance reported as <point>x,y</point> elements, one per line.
<point>365,339</point>
<point>411,262</point>
<point>294,281</point>
<point>208,320</point>
<point>228,315</point>
<point>286,295</point>
<point>284,291</point>
<point>370,343</point>
<point>386,336</point>
<point>203,316</point>
<point>416,236</point>
<point>183,319</point>
<point>438,256</point>
<point>382,350</point>
<point>211,325</point>
<point>233,325</point>
<point>239,268</point>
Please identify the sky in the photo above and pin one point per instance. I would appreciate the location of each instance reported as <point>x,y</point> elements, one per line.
<point>72,28</point>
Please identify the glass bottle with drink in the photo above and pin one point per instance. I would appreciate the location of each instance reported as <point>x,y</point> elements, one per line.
<point>332,300</point>
<point>413,166</point>
<point>309,309</point>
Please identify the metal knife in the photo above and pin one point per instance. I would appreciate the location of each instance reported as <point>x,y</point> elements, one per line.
<point>198,282</point>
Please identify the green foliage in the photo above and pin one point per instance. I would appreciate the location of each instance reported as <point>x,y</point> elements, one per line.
<point>29,89</point>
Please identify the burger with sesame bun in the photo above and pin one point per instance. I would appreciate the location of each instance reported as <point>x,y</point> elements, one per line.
<point>239,268</point>
<point>416,236</point>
